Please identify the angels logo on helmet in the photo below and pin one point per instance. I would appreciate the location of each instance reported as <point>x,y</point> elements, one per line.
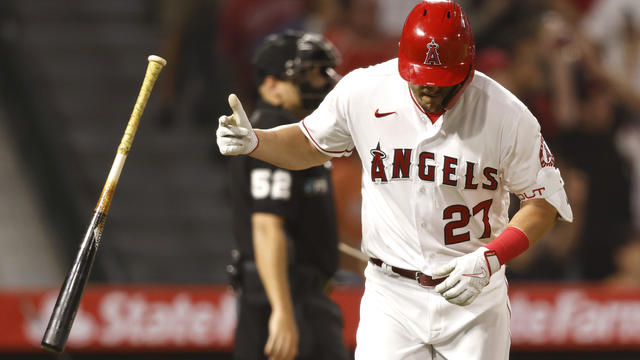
<point>433,58</point>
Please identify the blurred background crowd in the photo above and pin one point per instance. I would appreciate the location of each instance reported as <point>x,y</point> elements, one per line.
<point>70,72</point>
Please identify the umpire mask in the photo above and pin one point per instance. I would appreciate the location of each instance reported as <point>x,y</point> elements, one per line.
<point>312,69</point>
<point>312,89</point>
<point>301,58</point>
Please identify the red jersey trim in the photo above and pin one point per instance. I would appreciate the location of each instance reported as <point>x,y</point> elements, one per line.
<point>346,151</point>
<point>432,116</point>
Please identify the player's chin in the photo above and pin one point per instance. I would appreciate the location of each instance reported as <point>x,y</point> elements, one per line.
<point>431,104</point>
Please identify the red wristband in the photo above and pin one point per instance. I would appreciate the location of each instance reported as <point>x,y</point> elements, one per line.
<point>509,244</point>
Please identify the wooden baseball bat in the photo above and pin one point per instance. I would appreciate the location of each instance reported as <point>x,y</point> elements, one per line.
<point>353,252</point>
<point>64,312</point>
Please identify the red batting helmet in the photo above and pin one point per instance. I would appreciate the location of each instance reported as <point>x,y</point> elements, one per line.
<point>437,47</point>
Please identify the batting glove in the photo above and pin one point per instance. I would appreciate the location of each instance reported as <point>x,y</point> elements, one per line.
<point>235,136</point>
<point>467,276</point>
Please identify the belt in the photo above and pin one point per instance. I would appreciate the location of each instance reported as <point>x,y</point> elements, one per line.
<point>422,279</point>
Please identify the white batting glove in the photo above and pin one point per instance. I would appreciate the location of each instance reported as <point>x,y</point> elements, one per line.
<point>235,136</point>
<point>468,275</point>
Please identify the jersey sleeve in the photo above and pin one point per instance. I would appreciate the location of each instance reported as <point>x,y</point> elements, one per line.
<point>528,165</point>
<point>520,161</point>
<point>270,188</point>
<point>327,127</point>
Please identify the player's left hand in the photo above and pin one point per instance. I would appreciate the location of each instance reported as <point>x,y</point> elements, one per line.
<point>467,276</point>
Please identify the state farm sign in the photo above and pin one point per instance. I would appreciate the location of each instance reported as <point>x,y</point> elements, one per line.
<point>123,318</point>
<point>575,317</point>
<point>203,318</point>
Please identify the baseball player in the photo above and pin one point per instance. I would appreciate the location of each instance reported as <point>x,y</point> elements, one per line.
<point>441,146</point>
<point>284,221</point>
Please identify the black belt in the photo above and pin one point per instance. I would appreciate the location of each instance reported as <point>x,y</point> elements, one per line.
<point>422,279</point>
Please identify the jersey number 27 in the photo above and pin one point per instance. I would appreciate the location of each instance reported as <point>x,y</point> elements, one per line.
<point>465,216</point>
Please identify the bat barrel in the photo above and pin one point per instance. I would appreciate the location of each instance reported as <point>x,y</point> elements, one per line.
<point>64,311</point>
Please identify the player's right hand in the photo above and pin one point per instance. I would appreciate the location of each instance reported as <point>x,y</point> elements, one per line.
<point>235,136</point>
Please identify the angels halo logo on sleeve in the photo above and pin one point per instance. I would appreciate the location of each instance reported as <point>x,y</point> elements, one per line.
<point>546,157</point>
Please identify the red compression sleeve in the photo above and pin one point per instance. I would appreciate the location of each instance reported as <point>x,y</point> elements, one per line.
<point>509,244</point>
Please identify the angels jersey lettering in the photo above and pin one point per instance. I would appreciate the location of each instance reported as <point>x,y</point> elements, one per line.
<point>434,191</point>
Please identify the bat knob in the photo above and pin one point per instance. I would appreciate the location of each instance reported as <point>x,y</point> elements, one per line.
<point>158,59</point>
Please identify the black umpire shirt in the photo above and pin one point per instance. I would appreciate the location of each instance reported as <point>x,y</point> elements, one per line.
<point>303,198</point>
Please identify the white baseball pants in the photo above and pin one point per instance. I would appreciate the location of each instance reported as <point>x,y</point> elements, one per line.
<point>399,319</point>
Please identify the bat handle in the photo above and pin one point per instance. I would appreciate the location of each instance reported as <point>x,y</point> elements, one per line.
<point>55,337</point>
<point>156,63</point>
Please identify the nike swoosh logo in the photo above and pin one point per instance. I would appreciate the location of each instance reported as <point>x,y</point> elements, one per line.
<point>480,275</point>
<point>378,114</point>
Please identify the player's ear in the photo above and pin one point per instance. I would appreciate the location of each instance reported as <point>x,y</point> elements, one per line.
<point>268,89</point>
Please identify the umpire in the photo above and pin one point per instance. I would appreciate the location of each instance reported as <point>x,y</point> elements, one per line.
<point>284,221</point>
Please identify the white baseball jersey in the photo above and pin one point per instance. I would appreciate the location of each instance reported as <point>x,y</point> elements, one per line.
<point>433,191</point>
